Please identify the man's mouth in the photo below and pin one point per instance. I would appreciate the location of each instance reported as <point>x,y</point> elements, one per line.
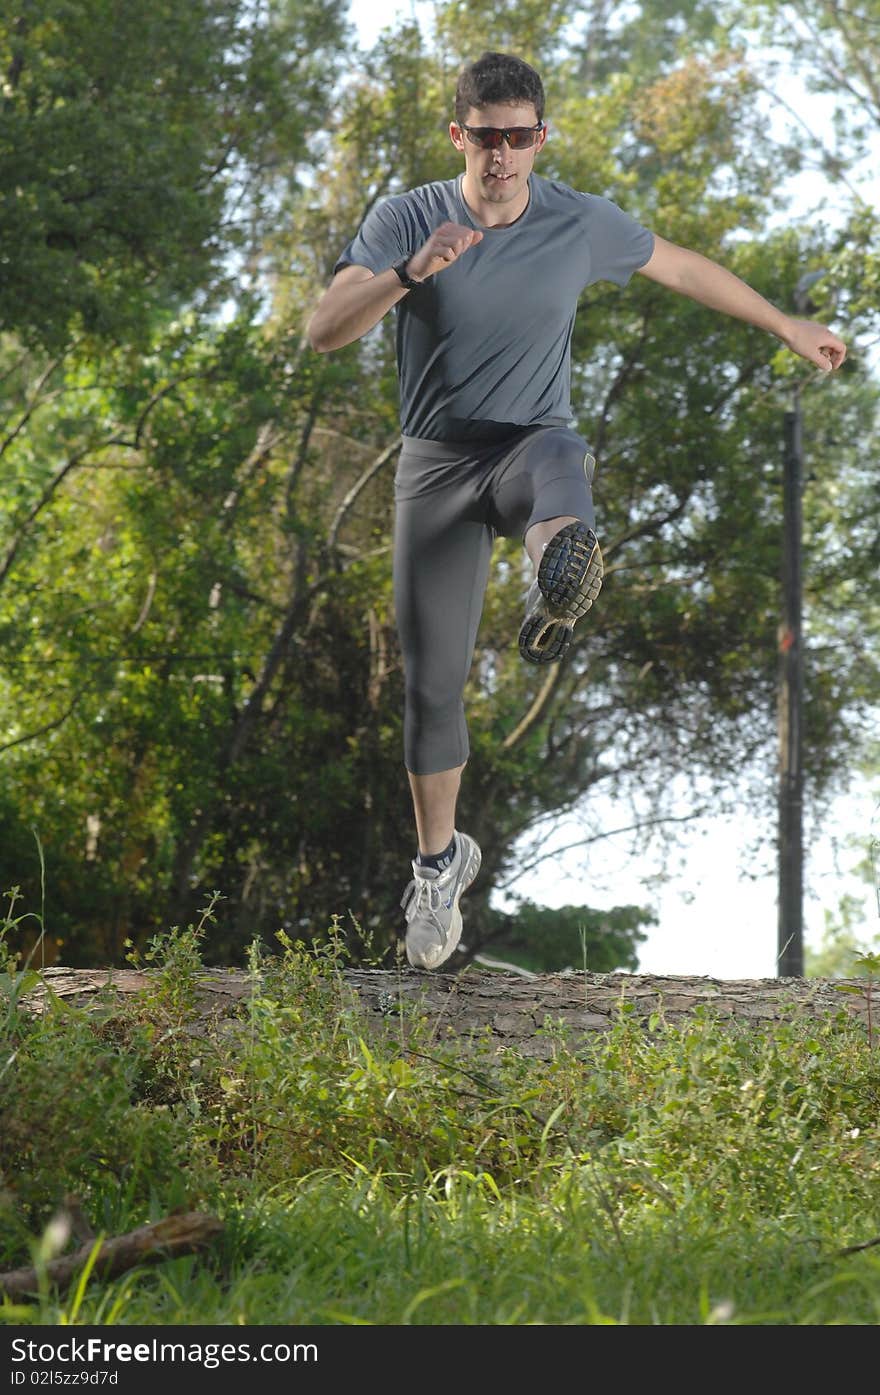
<point>501,177</point>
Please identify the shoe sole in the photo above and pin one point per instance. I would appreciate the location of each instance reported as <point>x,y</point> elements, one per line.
<point>453,935</point>
<point>569,579</point>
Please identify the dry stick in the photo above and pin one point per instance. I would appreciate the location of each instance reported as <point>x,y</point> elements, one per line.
<point>854,1249</point>
<point>359,485</point>
<point>149,1244</point>
<point>548,687</point>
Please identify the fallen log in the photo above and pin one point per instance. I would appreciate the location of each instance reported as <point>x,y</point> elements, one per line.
<point>181,1234</point>
<point>504,1009</point>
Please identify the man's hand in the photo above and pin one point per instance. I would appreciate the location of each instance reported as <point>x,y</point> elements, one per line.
<point>815,343</point>
<point>356,299</point>
<point>444,246</point>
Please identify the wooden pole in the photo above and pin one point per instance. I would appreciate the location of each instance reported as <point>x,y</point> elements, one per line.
<point>790,947</point>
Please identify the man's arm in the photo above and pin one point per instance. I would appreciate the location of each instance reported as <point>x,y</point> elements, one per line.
<point>356,300</point>
<point>703,280</point>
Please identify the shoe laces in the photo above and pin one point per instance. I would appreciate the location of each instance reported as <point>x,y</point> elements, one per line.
<point>422,897</point>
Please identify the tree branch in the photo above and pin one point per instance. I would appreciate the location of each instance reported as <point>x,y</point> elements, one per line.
<point>50,726</point>
<point>296,469</point>
<point>636,827</point>
<point>147,605</point>
<point>157,398</point>
<point>617,387</point>
<point>32,406</point>
<point>358,487</point>
<point>834,70</point>
<point>826,160</point>
<point>269,436</point>
<point>76,459</point>
<point>21,531</point>
<point>546,691</point>
<point>16,67</point>
<point>640,530</point>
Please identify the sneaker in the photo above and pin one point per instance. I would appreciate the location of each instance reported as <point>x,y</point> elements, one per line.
<point>569,580</point>
<point>430,905</point>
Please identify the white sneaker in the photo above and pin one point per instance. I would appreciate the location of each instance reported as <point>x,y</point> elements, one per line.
<point>430,904</point>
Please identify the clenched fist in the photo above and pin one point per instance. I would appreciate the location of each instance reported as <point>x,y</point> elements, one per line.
<point>444,246</point>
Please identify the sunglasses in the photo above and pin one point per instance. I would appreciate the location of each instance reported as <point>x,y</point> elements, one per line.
<point>490,137</point>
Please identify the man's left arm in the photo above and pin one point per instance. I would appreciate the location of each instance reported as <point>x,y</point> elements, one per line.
<point>703,280</point>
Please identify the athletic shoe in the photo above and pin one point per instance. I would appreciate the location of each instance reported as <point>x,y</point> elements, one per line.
<point>569,580</point>
<point>430,905</point>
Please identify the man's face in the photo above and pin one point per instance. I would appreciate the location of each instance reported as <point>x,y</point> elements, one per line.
<point>501,175</point>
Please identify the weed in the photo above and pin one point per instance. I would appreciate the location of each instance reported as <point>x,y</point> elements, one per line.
<point>700,1172</point>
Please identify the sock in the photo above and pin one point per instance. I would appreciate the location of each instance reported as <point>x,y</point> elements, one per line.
<point>439,861</point>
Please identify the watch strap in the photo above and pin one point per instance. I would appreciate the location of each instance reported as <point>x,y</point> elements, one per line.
<point>403,275</point>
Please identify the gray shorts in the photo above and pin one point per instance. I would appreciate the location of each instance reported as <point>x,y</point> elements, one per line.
<point>452,499</point>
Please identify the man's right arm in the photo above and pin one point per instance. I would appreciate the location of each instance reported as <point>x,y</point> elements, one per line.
<point>354,301</point>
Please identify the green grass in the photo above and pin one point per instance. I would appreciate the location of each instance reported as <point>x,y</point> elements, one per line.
<point>699,1173</point>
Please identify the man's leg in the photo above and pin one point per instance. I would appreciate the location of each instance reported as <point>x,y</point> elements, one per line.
<point>434,798</point>
<point>545,494</point>
<point>442,551</point>
<point>440,571</point>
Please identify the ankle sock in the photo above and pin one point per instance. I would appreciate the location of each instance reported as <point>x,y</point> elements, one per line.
<point>439,861</point>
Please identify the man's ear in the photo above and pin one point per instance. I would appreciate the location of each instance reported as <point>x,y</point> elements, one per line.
<point>456,135</point>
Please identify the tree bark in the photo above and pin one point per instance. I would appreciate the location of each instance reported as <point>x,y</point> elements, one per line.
<point>505,1008</point>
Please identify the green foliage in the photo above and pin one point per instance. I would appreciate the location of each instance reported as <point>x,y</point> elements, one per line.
<point>123,127</point>
<point>17,976</point>
<point>548,940</point>
<point>842,941</point>
<point>70,1125</point>
<point>656,1173</point>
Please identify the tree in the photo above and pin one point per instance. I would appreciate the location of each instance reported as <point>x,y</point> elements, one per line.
<point>568,937</point>
<point>201,684</point>
<point>842,942</point>
<point>140,149</point>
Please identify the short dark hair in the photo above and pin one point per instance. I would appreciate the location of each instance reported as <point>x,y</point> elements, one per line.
<point>497,77</point>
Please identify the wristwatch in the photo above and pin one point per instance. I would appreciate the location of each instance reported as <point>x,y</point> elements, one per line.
<point>403,275</point>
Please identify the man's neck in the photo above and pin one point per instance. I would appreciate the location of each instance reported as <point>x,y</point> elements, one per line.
<point>493,215</point>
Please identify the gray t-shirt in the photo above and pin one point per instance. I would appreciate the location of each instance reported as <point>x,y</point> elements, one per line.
<point>484,346</point>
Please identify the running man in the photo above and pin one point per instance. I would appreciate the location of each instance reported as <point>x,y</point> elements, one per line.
<point>486,270</point>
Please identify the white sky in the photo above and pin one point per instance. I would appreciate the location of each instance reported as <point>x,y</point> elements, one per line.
<point>717,905</point>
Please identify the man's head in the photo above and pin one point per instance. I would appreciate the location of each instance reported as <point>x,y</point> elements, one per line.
<point>498,78</point>
<point>498,93</point>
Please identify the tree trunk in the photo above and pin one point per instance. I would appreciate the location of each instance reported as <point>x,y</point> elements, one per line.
<point>509,1009</point>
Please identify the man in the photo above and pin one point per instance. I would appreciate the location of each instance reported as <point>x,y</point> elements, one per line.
<point>486,271</point>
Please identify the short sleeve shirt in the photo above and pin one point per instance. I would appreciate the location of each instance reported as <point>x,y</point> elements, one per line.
<point>486,343</point>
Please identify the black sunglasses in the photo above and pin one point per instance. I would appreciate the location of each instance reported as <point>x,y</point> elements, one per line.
<point>490,137</point>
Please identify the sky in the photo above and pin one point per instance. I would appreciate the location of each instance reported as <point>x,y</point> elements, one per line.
<point>715,894</point>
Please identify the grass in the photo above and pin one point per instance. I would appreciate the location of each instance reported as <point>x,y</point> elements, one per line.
<point>698,1173</point>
